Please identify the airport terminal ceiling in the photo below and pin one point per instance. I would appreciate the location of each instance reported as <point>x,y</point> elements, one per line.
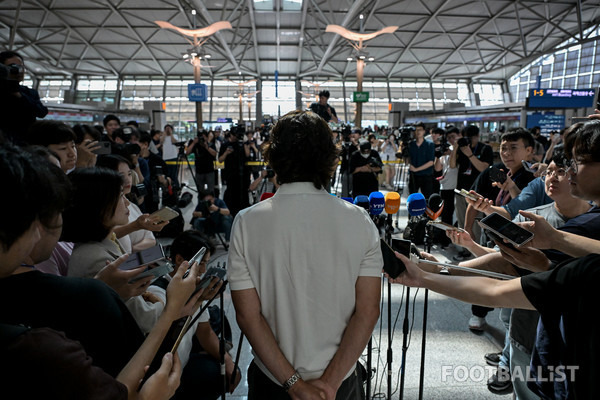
<point>435,40</point>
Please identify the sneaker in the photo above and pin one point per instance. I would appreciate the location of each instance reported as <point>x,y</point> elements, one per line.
<point>476,323</point>
<point>492,359</point>
<point>500,381</point>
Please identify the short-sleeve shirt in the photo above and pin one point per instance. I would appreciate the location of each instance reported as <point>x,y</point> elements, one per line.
<point>467,173</point>
<point>567,299</point>
<point>422,154</point>
<point>303,251</point>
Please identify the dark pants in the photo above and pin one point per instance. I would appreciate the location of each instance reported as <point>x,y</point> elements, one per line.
<point>423,182</point>
<point>260,387</point>
<point>201,379</point>
<point>480,311</point>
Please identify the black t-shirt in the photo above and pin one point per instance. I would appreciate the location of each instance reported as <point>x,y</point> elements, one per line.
<point>567,299</point>
<point>235,167</point>
<point>44,364</point>
<point>363,183</point>
<point>205,162</point>
<point>345,154</point>
<point>467,173</point>
<point>483,183</point>
<point>321,111</point>
<point>86,310</point>
<point>586,225</point>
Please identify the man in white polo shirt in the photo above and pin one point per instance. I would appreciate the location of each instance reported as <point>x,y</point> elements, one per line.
<point>305,273</point>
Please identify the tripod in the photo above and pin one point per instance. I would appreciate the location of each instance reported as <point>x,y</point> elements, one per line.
<point>180,172</point>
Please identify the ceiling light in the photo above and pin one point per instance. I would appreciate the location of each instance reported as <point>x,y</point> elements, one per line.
<point>349,58</point>
<point>361,57</point>
<point>207,56</point>
<point>194,54</point>
<point>361,16</point>
<point>193,11</point>
<point>371,58</point>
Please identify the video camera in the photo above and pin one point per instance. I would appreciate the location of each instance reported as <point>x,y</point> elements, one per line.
<point>406,134</point>
<point>346,132</point>
<point>10,72</point>
<point>441,148</point>
<point>375,163</point>
<point>238,131</point>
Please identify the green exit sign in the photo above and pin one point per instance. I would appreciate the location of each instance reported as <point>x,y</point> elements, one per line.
<point>360,97</point>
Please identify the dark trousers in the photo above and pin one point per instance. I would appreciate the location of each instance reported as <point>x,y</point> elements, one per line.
<point>201,379</point>
<point>423,182</point>
<point>260,387</point>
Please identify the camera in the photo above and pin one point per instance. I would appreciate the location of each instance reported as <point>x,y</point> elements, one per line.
<point>462,142</point>
<point>10,72</point>
<point>441,148</point>
<point>406,134</point>
<point>238,131</point>
<point>375,163</point>
<point>346,132</point>
<point>139,190</point>
<point>270,173</point>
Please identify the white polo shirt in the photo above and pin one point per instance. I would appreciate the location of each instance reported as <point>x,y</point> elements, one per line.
<point>303,251</point>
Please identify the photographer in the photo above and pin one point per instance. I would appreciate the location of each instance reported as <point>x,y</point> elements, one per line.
<point>445,165</point>
<point>211,215</point>
<point>323,109</point>
<point>252,153</point>
<point>422,156</point>
<point>236,173</point>
<point>205,153</point>
<point>349,146</point>
<point>170,151</point>
<point>155,177</point>
<point>265,183</point>
<point>365,164</point>
<point>19,105</point>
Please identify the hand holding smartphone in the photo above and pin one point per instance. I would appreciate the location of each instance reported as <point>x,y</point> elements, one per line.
<point>506,229</point>
<point>466,194</point>
<point>392,264</point>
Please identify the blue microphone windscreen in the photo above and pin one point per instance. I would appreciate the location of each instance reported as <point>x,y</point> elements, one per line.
<point>376,203</point>
<point>362,201</point>
<point>416,204</point>
<point>348,199</point>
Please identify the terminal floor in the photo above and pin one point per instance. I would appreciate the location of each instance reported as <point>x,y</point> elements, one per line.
<point>454,364</point>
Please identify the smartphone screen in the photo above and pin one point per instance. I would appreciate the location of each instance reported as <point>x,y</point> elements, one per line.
<point>144,257</point>
<point>391,264</point>
<point>506,229</point>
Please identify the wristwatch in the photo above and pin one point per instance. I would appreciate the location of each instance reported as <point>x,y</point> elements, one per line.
<point>287,385</point>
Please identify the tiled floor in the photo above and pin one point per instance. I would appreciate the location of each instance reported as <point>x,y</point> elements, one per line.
<point>454,365</point>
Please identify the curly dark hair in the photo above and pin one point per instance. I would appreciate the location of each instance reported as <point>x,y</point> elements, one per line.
<point>584,142</point>
<point>301,149</point>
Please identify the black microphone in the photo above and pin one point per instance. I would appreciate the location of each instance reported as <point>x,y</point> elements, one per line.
<point>435,206</point>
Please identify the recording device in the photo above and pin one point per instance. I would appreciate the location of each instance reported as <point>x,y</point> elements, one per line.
<point>441,148</point>
<point>346,132</point>
<point>497,175</point>
<point>145,257</point>
<point>211,273</point>
<point>362,201</point>
<point>139,190</point>
<point>435,206</point>
<point>375,163</point>
<point>506,229</point>
<point>466,194</point>
<point>529,166</point>
<point>197,258</point>
<point>238,131</point>
<point>444,226</point>
<point>164,214</point>
<point>392,264</point>
<point>10,72</point>
<point>416,204</point>
<point>103,149</point>
<point>376,203</point>
<point>270,173</point>
<point>392,203</point>
<point>462,142</point>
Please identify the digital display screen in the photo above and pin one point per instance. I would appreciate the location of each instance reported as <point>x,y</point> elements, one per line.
<point>561,98</point>
<point>546,122</point>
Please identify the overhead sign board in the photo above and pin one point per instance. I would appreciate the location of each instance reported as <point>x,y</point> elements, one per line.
<point>360,97</point>
<point>197,92</point>
<point>546,122</point>
<point>561,98</point>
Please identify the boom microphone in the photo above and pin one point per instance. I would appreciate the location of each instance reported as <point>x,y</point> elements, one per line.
<point>416,204</point>
<point>362,201</point>
<point>376,203</point>
<point>392,203</point>
<point>435,206</point>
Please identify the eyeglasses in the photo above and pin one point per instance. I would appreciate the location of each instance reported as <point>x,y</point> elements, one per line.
<point>511,149</point>
<point>559,173</point>
<point>573,165</point>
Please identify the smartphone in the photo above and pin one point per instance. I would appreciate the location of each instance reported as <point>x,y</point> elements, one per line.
<point>157,272</point>
<point>392,264</point>
<point>506,229</point>
<point>444,226</point>
<point>164,214</point>
<point>497,175</point>
<point>148,256</point>
<point>103,149</point>
<point>209,274</point>
<point>197,258</point>
<point>465,193</point>
<point>528,166</point>
<point>498,239</point>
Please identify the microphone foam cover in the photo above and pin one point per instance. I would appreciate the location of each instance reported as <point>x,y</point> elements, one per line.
<point>376,203</point>
<point>392,202</point>
<point>416,204</point>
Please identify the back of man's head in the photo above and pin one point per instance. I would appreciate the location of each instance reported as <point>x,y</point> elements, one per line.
<point>188,243</point>
<point>301,149</point>
<point>584,143</point>
<point>5,55</point>
<point>37,191</point>
<point>514,134</point>
<point>49,132</point>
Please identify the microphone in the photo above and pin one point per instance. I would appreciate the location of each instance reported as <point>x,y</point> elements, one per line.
<point>392,203</point>
<point>348,199</point>
<point>416,204</point>
<point>376,203</point>
<point>435,206</point>
<point>362,201</point>
<point>266,195</point>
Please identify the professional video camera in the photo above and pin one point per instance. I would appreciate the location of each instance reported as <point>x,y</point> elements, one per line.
<point>346,132</point>
<point>238,131</point>
<point>406,134</point>
<point>375,163</point>
<point>441,148</point>
<point>10,72</point>
<point>270,173</point>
